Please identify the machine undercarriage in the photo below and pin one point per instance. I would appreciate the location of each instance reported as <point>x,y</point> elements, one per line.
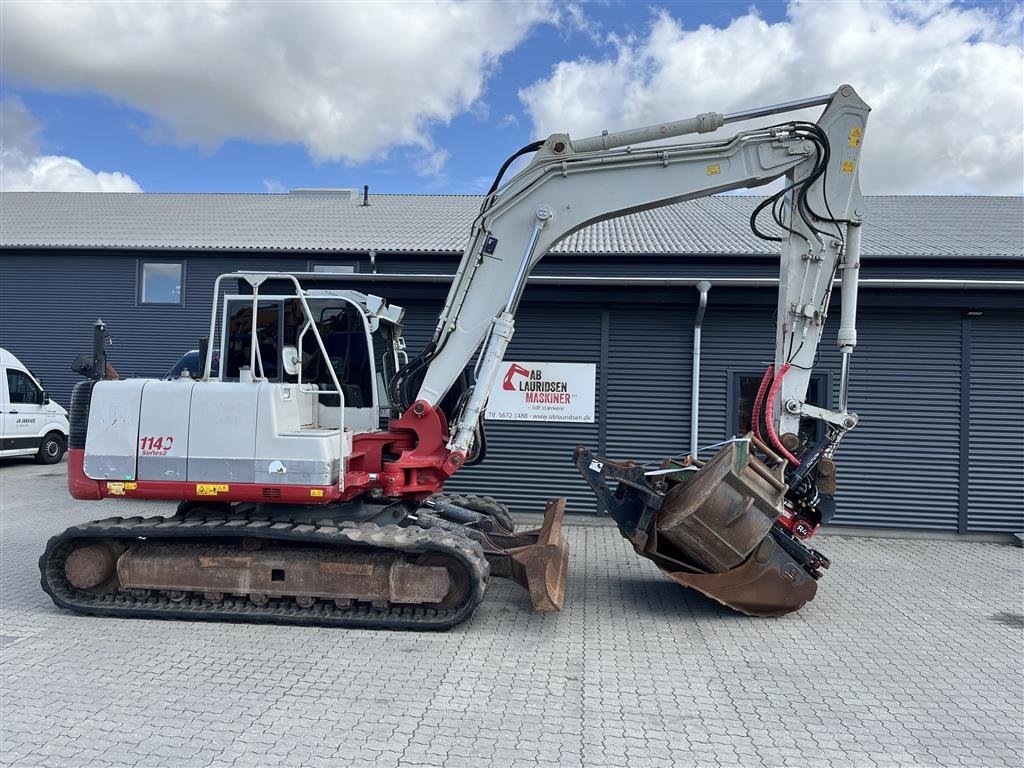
<point>401,568</point>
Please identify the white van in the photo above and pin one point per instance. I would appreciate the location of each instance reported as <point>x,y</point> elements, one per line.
<point>31,424</point>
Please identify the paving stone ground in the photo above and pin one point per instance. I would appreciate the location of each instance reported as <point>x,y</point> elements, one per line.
<point>910,656</point>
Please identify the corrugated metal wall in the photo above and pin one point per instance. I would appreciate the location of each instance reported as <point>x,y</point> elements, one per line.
<point>649,362</point>
<point>995,490</point>
<point>47,312</point>
<point>898,469</point>
<point>530,462</point>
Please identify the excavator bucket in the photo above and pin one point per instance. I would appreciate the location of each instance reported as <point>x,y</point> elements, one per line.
<point>712,527</point>
<point>768,583</point>
<point>721,512</point>
<point>538,559</point>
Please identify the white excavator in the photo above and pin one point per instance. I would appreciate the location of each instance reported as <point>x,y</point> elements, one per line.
<point>308,456</point>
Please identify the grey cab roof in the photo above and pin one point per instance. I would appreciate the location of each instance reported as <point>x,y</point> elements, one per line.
<point>336,221</point>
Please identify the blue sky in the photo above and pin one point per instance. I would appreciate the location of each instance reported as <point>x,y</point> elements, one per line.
<point>252,125</point>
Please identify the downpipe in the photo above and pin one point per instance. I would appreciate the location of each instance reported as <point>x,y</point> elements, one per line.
<point>703,286</point>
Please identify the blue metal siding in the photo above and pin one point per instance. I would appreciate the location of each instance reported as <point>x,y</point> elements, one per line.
<point>49,301</point>
<point>995,486</point>
<point>649,364</point>
<point>530,462</point>
<point>897,469</point>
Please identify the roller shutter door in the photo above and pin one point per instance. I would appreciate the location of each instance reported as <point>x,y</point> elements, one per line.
<point>995,485</point>
<point>648,407</point>
<point>899,467</point>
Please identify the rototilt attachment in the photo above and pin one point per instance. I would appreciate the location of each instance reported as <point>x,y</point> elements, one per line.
<point>712,527</point>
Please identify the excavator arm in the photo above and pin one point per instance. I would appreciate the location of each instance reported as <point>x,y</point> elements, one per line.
<point>731,528</point>
<point>570,185</point>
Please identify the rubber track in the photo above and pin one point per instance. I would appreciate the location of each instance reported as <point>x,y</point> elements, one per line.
<point>366,536</point>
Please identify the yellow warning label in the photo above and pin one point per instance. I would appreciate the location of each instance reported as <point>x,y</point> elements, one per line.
<point>316,492</point>
<point>855,135</point>
<point>713,170</point>
<point>118,489</point>
<point>847,166</point>
<point>211,489</point>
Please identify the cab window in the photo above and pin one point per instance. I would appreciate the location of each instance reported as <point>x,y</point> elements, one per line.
<point>343,330</point>
<point>240,333</point>
<point>23,389</point>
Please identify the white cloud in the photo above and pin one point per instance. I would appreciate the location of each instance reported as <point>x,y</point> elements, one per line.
<point>946,84</point>
<point>431,163</point>
<point>346,80</point>
<point>23,169</point>
<point>274,186</point>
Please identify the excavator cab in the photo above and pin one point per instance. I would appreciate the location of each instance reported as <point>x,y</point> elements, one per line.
<point>346,336</point>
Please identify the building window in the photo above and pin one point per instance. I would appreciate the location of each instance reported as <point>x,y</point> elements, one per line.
<point>23,389</point>
<point>162,282</point>
<point>743,387</point>
<point>336,269</point>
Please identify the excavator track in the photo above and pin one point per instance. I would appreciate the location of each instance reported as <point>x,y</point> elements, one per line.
<point>348,545</point>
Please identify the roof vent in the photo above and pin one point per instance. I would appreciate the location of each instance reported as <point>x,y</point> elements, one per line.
<point>342,193</point>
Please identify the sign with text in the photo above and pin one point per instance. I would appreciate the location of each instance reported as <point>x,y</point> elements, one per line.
<point>543,392</point>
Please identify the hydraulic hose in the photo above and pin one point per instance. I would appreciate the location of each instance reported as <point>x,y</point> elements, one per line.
<point>755,414</point>
<point>769,409</point>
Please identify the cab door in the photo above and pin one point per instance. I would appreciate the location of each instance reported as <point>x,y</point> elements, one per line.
<point>23,415</point>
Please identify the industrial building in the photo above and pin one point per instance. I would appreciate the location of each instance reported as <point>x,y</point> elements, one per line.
<point>938,376</point>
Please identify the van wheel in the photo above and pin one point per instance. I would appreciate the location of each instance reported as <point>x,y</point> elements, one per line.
<point>52,449</point>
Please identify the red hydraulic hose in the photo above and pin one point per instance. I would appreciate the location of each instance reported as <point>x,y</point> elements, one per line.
<point>755,414</point>
<point>768,413</point>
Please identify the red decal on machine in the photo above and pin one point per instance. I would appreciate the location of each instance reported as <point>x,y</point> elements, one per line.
<point>155,446</point>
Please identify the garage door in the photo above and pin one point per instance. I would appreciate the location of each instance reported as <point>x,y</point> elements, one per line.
<point>995,485</point>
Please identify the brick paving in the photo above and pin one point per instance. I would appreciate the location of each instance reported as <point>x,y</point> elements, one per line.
<point>910,656</point>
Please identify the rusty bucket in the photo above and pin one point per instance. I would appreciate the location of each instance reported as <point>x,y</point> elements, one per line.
<point>769,583</point>
<point>725,510</point>
<point>538,559</point>
<point>718,528</point>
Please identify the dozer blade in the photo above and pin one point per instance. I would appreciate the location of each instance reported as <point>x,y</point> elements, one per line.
<point>537,559</point>
<point>712,529</point>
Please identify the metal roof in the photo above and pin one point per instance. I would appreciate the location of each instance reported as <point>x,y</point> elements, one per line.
<point>943,227</point>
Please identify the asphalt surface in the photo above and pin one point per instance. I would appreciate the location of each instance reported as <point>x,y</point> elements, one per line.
<point>911,656</point>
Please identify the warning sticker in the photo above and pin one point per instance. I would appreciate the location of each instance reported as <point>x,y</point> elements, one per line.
<point>118,489</point>
<point>208,489</point>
